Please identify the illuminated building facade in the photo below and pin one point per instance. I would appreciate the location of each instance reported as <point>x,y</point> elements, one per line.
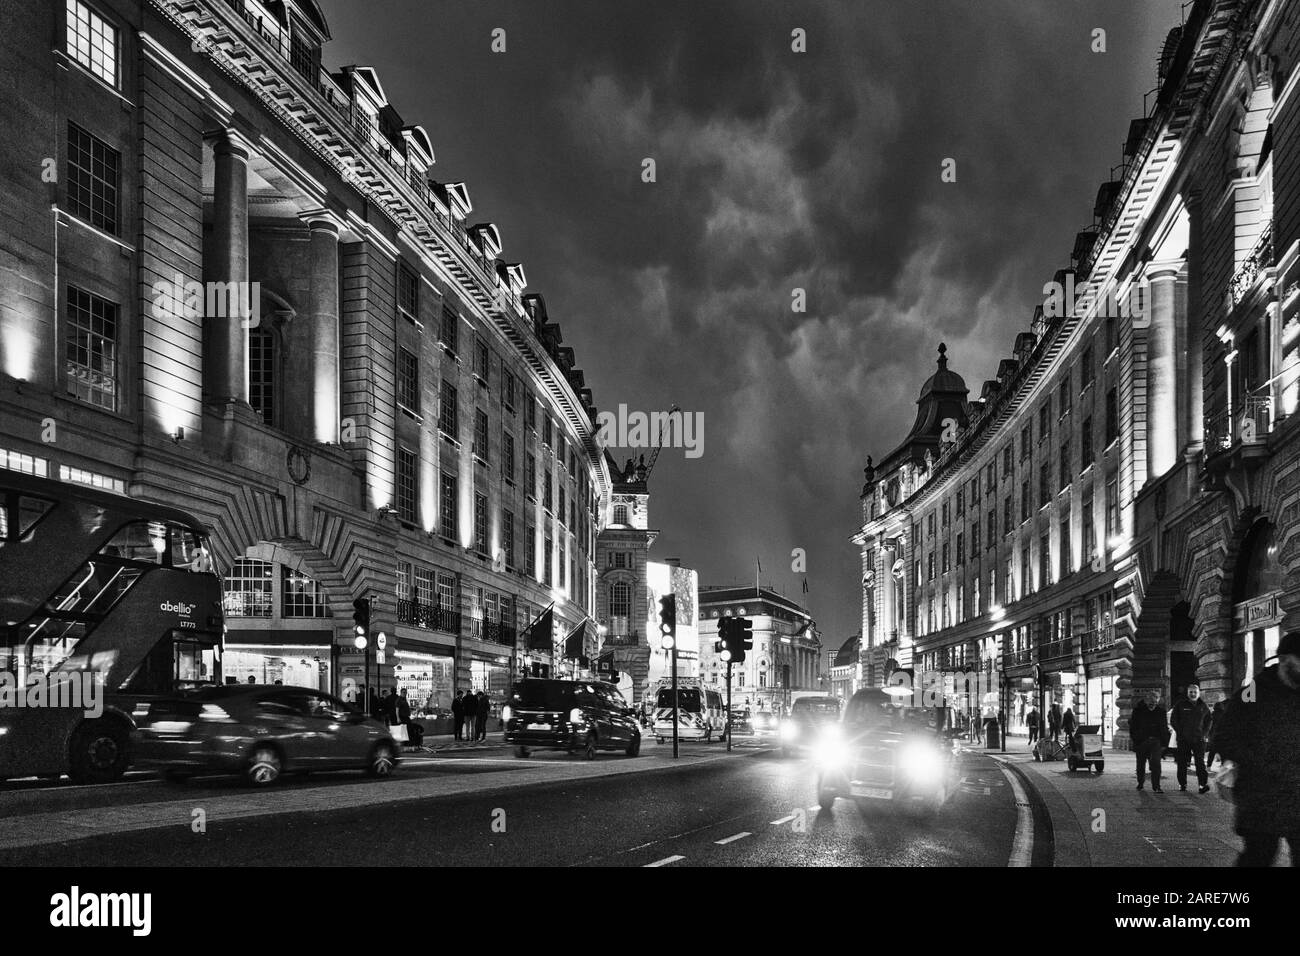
<point>787,652</point>
<point>229,283</point>
<point>1117,509</point>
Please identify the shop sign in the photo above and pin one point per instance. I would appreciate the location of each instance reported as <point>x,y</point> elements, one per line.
<point>1069,678</point>
<point>1263,611</point>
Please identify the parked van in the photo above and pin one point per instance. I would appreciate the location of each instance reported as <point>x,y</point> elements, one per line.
<point>702,713</point>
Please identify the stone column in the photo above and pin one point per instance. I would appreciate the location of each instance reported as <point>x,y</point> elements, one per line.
<point>1162,426</point>
<point>322,338</point>
<point>227,360</point>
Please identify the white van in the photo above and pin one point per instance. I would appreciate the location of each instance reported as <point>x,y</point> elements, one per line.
<point>702,714</point>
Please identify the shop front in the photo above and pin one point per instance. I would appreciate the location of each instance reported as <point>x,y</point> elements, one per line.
<point>1099,704</point>
<point>304,663</point>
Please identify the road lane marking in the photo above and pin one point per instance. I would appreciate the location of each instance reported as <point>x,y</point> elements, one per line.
<point>665,861</point>
<point>1022,844</point>
<point>783,820</point>
<point>732,839</point>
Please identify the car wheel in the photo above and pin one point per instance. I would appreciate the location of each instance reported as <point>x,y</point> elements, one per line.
<point>825,796</point>
<point>521,752</point>
<point>634,748</point>
<point>264,766</point>
<point>1100,765</point>
<point>99,752</point>
<point>383,761</point>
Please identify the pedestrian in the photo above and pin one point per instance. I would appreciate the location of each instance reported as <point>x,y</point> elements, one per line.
<point>481,717</point>
<point>1190,719</point>
<point>471,714</point>
<point>1054,721</point>
<point>1032,722</point>
<point>1149,731</point>
<point>1069,723</point>
<point>1260,734</point>
<point>1211,738</point>
<point>458,713</point>
<point>397,712</point>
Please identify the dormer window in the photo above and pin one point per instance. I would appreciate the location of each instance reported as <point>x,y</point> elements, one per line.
<point>92,42</point>
<point>304,52</point>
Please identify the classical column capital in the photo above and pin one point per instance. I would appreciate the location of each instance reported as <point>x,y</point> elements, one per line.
<point>229,142</point>
<point>1155,270</point>
<point>322,220</point>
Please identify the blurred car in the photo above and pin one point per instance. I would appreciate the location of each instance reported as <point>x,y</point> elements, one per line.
<point>260,732</point>
<point>740,722</point>
<point>884,753</point>
<point>575,715</point>
<point>765,723</point>
<point>808,715</point>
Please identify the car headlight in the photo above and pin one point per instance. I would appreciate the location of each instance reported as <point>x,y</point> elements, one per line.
<point>789,731</point>
<point>922,764</point>
<point>831,753</point>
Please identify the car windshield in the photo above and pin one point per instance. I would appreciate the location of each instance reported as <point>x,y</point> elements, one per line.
<point>689,696</point>
<point>542,694</point>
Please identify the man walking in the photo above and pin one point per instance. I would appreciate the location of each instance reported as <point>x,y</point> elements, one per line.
<point>458,713</point>
<point>1190,718</point>
<point>482,714</point>
<point>1032,722</point>
<point>1149,730</point>
<point>1054,721</point>
<point>471,712</point>
<point>1260,733</point>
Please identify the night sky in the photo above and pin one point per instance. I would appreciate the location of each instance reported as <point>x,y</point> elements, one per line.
<point>776,170</point>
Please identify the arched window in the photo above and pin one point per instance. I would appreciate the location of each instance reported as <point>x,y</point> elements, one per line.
<point>262,374</point>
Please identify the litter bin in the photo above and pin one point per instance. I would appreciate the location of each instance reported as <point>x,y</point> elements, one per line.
<point>992,739</point>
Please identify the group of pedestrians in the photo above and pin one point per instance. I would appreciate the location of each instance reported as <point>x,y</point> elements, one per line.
<point>1058,722</point>
<point>470,713</point>
<point>1255,734</point>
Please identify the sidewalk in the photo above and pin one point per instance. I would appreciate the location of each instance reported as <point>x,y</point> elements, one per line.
<point>1104,820</point>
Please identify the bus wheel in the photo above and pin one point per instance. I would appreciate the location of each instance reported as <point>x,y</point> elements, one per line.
<point>263,767</point>
<point>99,752</point>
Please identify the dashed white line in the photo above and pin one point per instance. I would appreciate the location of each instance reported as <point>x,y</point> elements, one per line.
<point>783,820</point>
<point>733,838</point>
<point>665,861</point>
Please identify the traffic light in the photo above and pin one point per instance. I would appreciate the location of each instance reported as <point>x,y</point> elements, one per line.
<point>738,636</point>
<point>723,645</point>
<point>667,621</point>
<point>361,616</point>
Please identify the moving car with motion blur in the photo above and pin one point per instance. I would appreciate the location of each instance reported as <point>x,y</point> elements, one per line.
<point>580,716</point>
<point>808,715</point>
<point>260,732</point>
<point>884,752</point>
<point>765,723</point>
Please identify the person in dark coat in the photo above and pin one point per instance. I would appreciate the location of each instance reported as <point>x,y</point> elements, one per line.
<point>1190,718</point>
<point>1054,721</point>
<point>458,713</point>
<point>1031,722</point>
<point>1260,734</point>
<point>1149,730</point>
<point>396,709</point>
<point>484,708</point>
<point>1069,723</point>
<point>1211,744</point>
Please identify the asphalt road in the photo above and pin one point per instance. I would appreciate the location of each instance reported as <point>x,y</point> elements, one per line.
<point>751,808</point>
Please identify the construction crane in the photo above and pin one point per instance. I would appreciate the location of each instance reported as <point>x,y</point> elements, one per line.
<point>659,442</point>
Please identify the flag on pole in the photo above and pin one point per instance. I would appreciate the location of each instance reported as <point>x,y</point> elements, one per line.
<point>539,632</point>
<point>805,584</point>
<point>758,569</point>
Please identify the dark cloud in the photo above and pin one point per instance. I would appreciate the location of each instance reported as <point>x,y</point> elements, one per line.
<point>776,170</point>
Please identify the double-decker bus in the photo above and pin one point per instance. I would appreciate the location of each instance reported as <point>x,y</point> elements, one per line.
<point>105,600</point>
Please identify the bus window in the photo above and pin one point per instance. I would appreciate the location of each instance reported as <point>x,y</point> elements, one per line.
<point>50,644</point>
<point>189,550</point>
<point>94,587</point>
<point>195,664</point>
<point>144,541</point>
<point>19,515</point>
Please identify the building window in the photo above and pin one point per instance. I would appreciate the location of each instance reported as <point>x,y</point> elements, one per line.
<point>991,475</point>
<point>509,398</point>
<point>975,491</point>
<point>1089,531</point>
<point>92,42</point>
<point>992,527</point>
<point>1008,454</point>
<point>564,559</point>
<point>929,525</point>
<point>620,600</point>
<point>1067,473</point>
<point>975,540</point>
<point>92,179</point>
<point>1085,444</point>
<point>947,557</point>
<point>929,567</point>
<point>961,503</point>
<point>450,326</point>
<point>261,374</point>
<point>620,559</point>
<point>304,54</point>
<point>482,360</point>
<point>961,548</point>
<point>1112,508</point>
<point>1026,572</point>
<point>560,512</point>
<point>407,485</point>
<point>919,578</point>
<point>408,382</point>
<point>546,431</point>
<point>530,475</point>
<point>1045,419</point>
<point>248,588</point>
<point>1066,394</point>
<point>480,524</point>
<point>1112,417</point>
<point>447,410</point>
<point>1006,515</point>
<point>481,434</point>
<point>546,561</point>
<point>408,293</point>
<point>532,414</point>
<point>1067,552</point>
<point>547,492</point>
<point>90,342</point>
<point>1025,504</point>
<point>1044,484</point>
<point>530,550</point>
<point>1044,561</point>
<point>508,457</point>
<point>447,591</point>
<point>1112,338</point>
<point>448,506</point>
<point>508,530</point>
<point>1025,441</point>
<point>1086,373</point>
<point>301,596</point>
